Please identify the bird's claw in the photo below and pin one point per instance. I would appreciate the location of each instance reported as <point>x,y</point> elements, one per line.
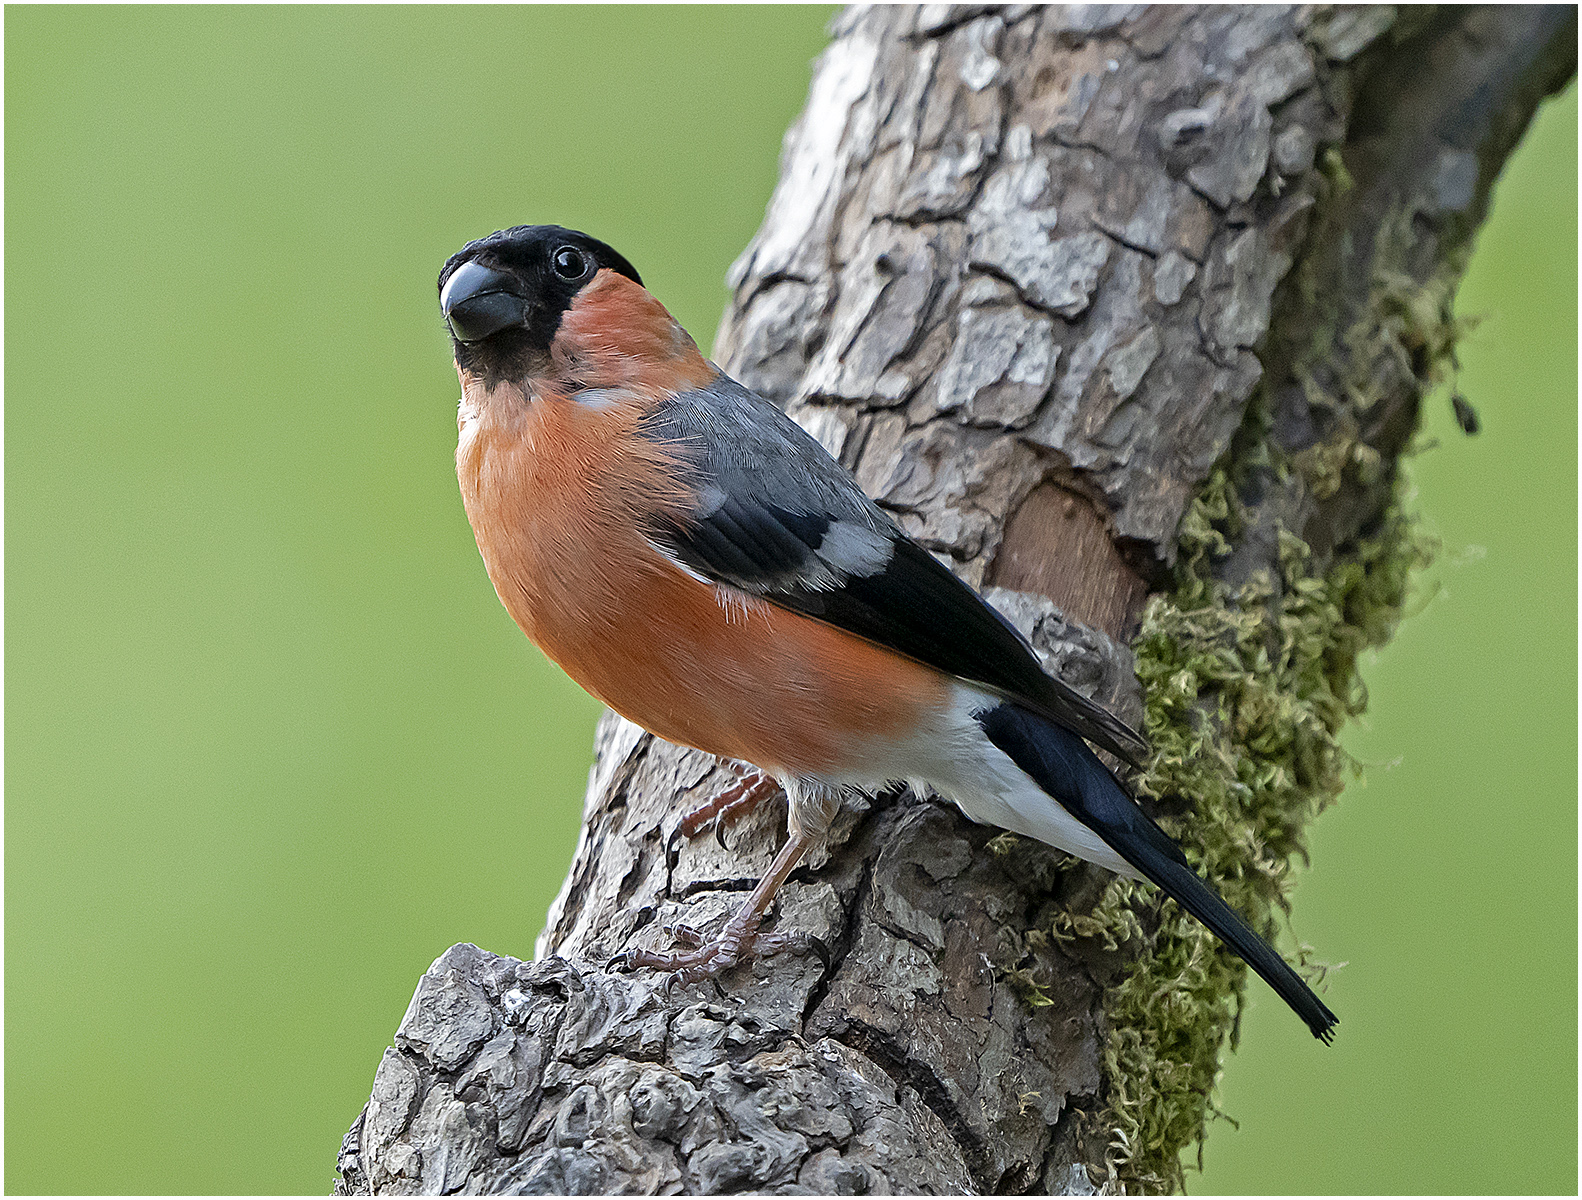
<point>708,959</point>
<point>742,797</point>
<point>687,935</point>
<point>820,950</point>
<point>796,941</point>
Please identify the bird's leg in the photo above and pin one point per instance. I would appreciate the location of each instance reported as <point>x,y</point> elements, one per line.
<point>750,790</point>
<point>736,941</point>
<point>812,809</point>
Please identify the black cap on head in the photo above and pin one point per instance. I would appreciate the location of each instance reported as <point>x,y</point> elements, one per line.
<point>503,295</point>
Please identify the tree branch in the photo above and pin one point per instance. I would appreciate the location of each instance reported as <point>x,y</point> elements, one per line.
<point>1127,309</point>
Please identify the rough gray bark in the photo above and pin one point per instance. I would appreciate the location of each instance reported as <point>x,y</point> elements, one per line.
<point>1025,272</point>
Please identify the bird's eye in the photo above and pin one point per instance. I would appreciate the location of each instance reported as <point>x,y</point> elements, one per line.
<point>569,263</point>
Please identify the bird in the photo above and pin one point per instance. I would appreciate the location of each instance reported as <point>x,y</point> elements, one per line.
<point>699,563</point>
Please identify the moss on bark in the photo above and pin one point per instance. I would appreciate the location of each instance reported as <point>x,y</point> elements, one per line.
<point>1247,690</point>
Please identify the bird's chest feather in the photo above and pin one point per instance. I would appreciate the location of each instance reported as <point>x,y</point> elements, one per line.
<point>553,490</point>
<point>557,494</point>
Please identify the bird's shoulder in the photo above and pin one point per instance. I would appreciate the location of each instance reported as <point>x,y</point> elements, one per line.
<point>773,510</point>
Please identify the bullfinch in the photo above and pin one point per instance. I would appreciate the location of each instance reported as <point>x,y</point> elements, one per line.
<point>698,562</point>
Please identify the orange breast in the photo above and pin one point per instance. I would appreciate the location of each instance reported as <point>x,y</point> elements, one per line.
<point>554,490</point>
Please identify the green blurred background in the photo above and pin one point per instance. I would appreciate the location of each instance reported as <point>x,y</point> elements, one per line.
<point>274,745</point>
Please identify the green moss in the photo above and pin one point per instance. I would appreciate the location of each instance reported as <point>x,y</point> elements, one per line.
<point>1247,689</point>
<point>1333,165</point>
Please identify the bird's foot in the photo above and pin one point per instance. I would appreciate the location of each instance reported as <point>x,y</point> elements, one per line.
<point>708,958</point>
<point>739,939</point>
<point>747,793</point>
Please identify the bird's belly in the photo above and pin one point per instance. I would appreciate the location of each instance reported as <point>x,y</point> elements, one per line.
<point>711,668</point>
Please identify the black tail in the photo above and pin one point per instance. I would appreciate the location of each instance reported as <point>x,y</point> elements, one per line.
<point>1060,762</point>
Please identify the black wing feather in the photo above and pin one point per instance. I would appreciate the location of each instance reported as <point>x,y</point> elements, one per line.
<point>1068,770</point>
<point>781,520</point>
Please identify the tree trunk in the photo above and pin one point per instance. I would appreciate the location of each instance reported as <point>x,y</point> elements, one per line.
<point>1127,313</point>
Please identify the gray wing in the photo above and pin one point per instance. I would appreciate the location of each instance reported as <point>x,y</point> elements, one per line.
<point>780,519</point>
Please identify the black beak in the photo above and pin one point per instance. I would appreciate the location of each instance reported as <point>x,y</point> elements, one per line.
<point>477,302</point>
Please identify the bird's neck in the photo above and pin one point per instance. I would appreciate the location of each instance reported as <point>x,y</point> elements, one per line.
<point>615,335</point>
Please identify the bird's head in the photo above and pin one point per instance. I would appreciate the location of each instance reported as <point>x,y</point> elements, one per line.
<point>541,306</point>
